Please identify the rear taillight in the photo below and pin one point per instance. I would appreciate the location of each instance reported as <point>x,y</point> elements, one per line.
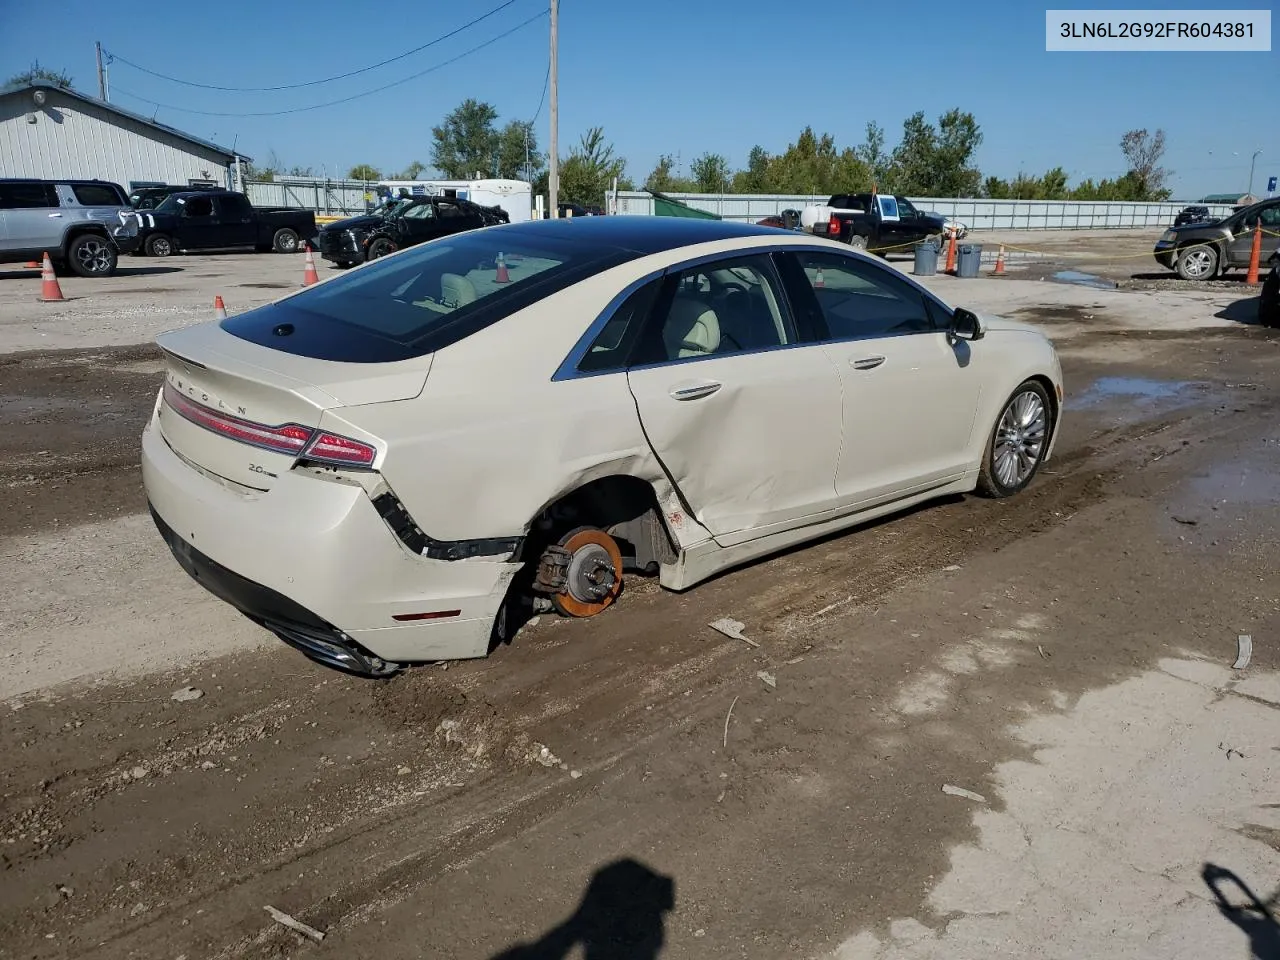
<point>331,448</point>
<point>291,439</point>
<point>833,227</point>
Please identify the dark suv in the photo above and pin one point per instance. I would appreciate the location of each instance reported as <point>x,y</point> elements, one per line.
<point>1193,214</point>
<point>82,224</point>
<point>148,198</point>
<point>1200,251</point>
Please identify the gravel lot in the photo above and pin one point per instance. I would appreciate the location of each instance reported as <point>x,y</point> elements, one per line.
<point>1066,657</point>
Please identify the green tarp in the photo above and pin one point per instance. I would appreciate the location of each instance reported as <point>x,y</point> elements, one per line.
<point>668,207</point>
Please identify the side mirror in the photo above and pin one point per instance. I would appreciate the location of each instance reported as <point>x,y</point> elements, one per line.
<point>965,325</point>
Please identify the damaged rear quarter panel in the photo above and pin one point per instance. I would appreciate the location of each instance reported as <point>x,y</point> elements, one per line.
<point>491,440</point>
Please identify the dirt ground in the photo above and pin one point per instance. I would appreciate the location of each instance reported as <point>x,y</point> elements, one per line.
<point>629,784</point>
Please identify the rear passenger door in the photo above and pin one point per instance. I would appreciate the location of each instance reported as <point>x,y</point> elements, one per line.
<point>32,218</point>
<point>1241,245</point>
<point>238,226</point>
<point>738,403</point>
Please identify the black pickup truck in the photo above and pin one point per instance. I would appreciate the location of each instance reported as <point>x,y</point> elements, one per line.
<point>402,223</point>
<point>877,222</point>
<point>221,220</point>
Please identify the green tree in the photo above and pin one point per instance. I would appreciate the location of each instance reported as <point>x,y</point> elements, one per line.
<point>512,145</point>
<point>755,178</point>
<point>59,78</point>
<point>412,172</point>
<point>994,188</point>
<point>934,161</point>
<point>1144,151</point>
<point>1053,185</point>
<point>364,171</point>
<point>813,165</point>
<point>466,141</point>
<point>663,179</point>
<point>587,174</point>
<point>872,153</point>
<point>710,173</point>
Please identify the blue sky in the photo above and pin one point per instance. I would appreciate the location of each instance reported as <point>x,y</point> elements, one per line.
<point>669,77</point>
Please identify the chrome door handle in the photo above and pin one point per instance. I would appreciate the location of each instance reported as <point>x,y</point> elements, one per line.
<point>866,363</point>
<point>695,391</point>
<point>52,215</point>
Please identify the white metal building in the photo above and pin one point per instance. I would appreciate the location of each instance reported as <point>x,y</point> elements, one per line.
<point>50,132</point>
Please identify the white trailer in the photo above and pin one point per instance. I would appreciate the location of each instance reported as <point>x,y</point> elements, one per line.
<point>513,196</point>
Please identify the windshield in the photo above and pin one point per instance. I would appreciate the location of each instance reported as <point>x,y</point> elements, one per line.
<point>389,206</point>
<point>412,303</point>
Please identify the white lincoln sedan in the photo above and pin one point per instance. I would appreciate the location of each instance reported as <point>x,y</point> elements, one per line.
<point>387,467</point>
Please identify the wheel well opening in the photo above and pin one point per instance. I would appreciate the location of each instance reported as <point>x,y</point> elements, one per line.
<point>625,507</point>
<point>1054,402</point>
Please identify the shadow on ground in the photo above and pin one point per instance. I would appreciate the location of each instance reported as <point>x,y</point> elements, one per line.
<point>620,918</point>
<point>1241,311</point>
<point>1256,918</point>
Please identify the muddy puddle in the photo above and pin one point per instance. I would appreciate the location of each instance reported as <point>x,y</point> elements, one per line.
<point>1084,279</point>
<point>1140,391</point>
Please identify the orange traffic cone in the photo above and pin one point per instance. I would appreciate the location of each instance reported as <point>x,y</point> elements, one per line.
<point>310,276</point>
<point>1000,261</point>
<point>1255,254</point>
<point>503,276</point>
<point>951,253</point>
<point>817,281</point>
<point>50,291</point>
<point>219,308</point>
<point>32,264</point>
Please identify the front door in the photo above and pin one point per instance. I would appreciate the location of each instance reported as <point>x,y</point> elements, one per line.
<point>235,214</point>
<point>910,395</point>
<point>1241,245</point>
<point>198,228</point>
<point>744,415</point>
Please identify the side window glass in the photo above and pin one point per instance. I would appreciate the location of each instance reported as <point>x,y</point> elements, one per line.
<point>1270,217</point>
<point>95,195</point>
<point>860,299</point>
<point>724,307</point>
<point>27,196</point>
<point>611,347</point>
<point>198,207</point>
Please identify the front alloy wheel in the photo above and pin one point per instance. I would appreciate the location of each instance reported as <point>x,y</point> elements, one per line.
<point>92,256</point>
<point>1018,442</point>
<point>1198,263</point>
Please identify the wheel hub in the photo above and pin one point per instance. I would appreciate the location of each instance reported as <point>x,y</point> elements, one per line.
<point>582,573</point>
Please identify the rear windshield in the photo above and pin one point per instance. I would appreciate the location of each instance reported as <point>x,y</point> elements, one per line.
<point>422,299</point>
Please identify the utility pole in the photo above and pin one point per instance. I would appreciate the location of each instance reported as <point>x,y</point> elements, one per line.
<point>553,173</point>
<point>1252,161</point>
<point>102,76</point>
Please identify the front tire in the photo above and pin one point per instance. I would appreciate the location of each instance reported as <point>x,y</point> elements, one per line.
<point>159,245</point>
<point>1018,442</point>
<point>90,255</point>
<point>1197,263</point>
<point>380,248</point>
<point>285,241</point>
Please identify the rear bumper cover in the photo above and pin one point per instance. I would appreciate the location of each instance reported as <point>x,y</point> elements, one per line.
<point>313,561</point>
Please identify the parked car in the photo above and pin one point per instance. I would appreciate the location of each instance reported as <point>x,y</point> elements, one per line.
<point>1192,214</point>
<point>593,210</point>
<point>388,467</point>
<point>1200,251</point>
<point>786,220</point>
<point>1269,300</point>
<point>569,209</point>
<point>876,222</point>
<point>402,223</point>
<point>221,220</point>
<point>148,198</point>
<point>81,224</point>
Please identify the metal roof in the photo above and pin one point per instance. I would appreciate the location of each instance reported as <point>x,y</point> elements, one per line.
<point>1237,197</point>
<point>120,111</point>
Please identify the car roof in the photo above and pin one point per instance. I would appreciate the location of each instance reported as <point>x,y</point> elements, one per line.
<point>643,234</point>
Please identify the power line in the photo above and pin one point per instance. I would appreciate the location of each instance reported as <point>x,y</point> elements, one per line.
<point>311,83</point>
<point>543,98</point>
<point>356,96</point>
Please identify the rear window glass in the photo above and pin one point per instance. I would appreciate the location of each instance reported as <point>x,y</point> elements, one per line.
<point>96,195</point>
<point>27,196</point>
<point>424,298</point>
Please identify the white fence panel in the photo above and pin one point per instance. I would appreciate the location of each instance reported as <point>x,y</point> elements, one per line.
<point>976,214</point>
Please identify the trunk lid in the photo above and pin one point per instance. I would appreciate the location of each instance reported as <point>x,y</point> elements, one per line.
<point>243,412</point>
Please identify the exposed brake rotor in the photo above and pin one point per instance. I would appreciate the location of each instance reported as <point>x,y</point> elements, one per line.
<point>582,572</point>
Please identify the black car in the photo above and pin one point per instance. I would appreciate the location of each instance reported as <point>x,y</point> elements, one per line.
<point>402,223</point>
<point>148,198</point>
<point>1269,301</point>
<point>1192,214</point>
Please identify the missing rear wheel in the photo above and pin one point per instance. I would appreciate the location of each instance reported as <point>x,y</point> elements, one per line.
<point>582,572</point>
